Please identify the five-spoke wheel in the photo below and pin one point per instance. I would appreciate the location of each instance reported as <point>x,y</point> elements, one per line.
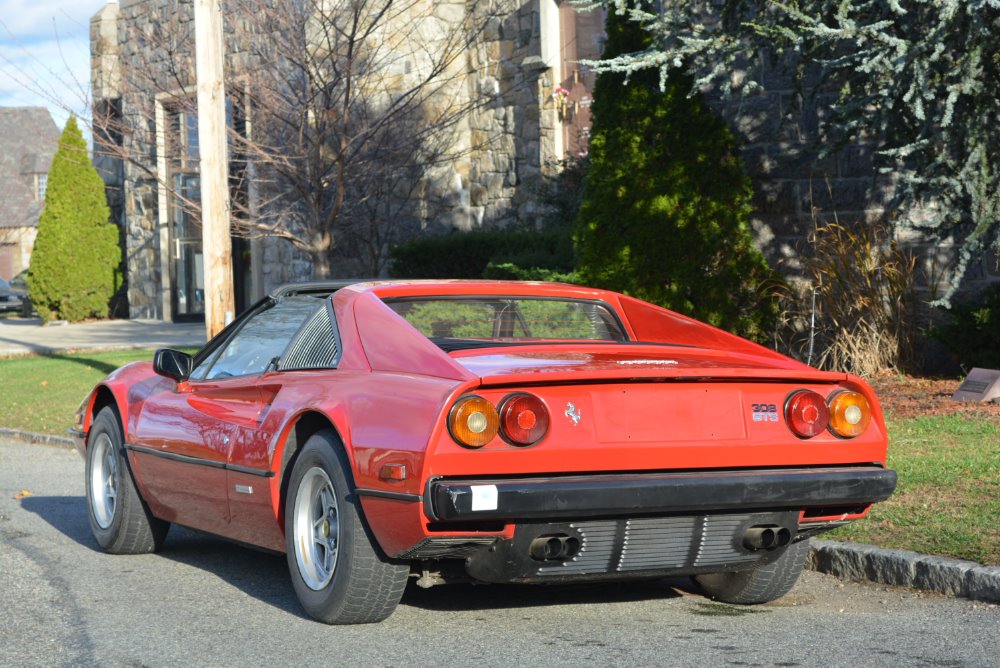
<point>104,480</point>
<point>119,519</point>
<point>338,570</point>
<point>317,528</point>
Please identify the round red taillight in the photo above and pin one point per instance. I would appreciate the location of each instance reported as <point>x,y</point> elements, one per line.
<point>524,419</point>
<point>806,413</point>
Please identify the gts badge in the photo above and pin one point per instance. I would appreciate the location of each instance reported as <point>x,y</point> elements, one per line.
<point>764,412</point>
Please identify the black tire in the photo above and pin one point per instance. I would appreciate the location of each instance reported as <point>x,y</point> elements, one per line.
<point>119,519</point>
<point>761,584</point>
<point>355,583</point>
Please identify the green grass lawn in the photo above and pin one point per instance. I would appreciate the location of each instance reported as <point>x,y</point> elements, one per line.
<point>947,501</point>
<point>41,393</point>
<point>948,498</point>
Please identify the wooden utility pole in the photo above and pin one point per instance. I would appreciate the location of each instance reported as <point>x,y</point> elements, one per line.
<point>216,242</point>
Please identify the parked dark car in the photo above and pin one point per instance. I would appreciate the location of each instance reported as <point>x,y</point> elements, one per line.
<point>11,299</point>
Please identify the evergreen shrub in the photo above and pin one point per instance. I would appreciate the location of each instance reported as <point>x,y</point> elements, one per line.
<point>75,262</point>
<point>665,213</point>
<point>973,335</point>
<point>516,253</point>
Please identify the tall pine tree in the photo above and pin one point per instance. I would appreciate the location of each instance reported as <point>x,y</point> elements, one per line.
<point>74,264</point>
<point>667,202</point>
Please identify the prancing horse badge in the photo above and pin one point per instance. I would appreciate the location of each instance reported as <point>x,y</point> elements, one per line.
<point>573,413</point>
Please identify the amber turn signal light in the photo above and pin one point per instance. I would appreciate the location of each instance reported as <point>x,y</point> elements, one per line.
<point>806,413</point>
<point>850,414</point>
<point>524,419</point>
<point>473,421</point>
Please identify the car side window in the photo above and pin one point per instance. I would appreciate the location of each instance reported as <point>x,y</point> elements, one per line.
<point>264,337</point>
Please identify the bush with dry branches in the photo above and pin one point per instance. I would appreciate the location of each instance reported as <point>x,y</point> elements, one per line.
<point>857,310</point>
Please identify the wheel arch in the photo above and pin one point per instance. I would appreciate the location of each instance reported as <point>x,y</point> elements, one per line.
<point>101,398</point>
<point>299,430</point>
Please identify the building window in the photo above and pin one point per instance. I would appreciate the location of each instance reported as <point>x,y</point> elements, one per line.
<point>185,217</point>
<point>41,183</point>
<point>181,151</point>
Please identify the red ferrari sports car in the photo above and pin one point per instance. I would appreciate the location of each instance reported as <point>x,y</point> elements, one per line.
<point>485,431</point>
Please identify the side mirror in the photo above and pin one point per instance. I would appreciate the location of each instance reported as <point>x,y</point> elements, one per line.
<point>173,364</point>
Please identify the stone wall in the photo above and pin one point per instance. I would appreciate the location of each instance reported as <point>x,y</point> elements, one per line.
<point>142,62</point>
<point>795,190</point>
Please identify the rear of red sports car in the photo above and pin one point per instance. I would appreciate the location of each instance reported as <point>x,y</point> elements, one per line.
<point>499,432</point>
<point>603,437</point>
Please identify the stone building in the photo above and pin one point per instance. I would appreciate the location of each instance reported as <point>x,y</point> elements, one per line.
<point>28,141</point>
<point>531,110</point>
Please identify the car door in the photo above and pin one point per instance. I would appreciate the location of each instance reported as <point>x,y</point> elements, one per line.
<point>314,348</point>
<point>185,437</point>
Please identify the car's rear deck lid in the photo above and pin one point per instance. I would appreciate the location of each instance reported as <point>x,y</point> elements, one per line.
<point>554,363</point>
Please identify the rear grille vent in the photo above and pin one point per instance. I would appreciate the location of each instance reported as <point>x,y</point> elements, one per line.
<point>659,543</point>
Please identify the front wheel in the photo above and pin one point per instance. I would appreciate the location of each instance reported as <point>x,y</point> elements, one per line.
<point>760,584</point>
<point>338,571</point>
<point>119,520</point>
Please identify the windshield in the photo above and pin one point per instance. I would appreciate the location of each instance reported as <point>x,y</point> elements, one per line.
<point>467,322</point>
<point>4,285</point>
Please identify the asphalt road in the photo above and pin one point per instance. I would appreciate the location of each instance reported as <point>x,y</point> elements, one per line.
<point>202,601</point>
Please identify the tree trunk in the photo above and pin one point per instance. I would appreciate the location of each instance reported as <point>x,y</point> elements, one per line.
<point>321,265</point>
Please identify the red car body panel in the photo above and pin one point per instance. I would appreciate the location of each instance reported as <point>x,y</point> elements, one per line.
<point>682,405</point>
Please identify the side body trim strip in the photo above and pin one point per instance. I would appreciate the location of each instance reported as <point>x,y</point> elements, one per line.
<point>198,461</point>
<point>395,496</point>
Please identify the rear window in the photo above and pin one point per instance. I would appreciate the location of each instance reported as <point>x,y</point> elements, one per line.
<point>449,321</point>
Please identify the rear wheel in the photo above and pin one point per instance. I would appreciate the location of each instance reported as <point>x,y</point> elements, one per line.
<point>119,520</point>
<point>338,571</point>
<point>760,584</point>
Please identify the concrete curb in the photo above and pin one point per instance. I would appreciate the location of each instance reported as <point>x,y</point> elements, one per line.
<point>854,561</point>
<point>953,577</point>
<point>41,439</point>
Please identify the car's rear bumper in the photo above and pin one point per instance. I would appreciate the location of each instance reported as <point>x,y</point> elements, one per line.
<point>579,497</point>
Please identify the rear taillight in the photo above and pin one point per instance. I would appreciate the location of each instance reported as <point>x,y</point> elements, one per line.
<point>850,414</point>
<point>524,419</point>
<point>473,421</point>
<point>806,413</point>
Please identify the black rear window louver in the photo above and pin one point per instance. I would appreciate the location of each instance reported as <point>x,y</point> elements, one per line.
<point>315,347</point>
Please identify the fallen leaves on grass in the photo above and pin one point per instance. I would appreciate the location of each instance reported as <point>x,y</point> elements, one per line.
<point>908,396</point>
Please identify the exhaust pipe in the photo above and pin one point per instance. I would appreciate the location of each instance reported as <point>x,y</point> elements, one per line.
<point>766,537</point>
<point>554,548</point>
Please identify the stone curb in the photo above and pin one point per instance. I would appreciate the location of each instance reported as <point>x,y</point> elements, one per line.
<point>41,439</point>
<point>855,561</point>
<point>953,577</point>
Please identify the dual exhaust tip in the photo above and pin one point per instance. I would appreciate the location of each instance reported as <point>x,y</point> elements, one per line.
<point>766,537</point>
<point>555,547</point>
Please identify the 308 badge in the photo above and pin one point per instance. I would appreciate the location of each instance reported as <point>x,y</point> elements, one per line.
<point>764,412</point>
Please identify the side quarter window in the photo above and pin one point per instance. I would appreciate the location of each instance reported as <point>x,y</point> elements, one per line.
<point>315,345</point>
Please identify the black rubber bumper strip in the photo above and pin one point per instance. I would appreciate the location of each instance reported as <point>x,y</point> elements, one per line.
<point>604,495</point>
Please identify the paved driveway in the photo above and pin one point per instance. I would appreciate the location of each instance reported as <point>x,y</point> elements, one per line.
<point>203,601</point>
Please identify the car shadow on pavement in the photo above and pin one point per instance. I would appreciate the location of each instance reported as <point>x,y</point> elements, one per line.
<point>257,573</point>
<point>264,575</point>
<point>66,514</point>
<point>261,575</point>
<point>470,597</point>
